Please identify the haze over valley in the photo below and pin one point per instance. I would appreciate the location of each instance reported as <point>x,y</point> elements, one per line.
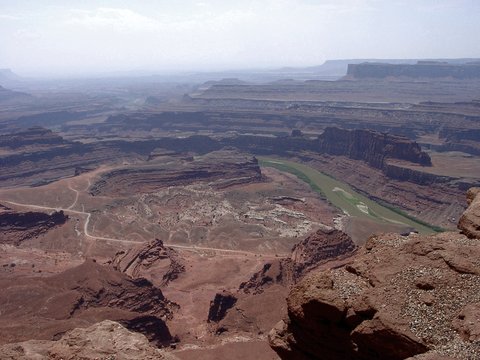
<point>261,180</point>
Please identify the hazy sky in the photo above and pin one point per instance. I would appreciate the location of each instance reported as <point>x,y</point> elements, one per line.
<point>79,37</point>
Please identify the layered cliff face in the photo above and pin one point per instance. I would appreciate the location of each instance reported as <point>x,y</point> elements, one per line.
<point>219,169</point>
<point>429,70</point>
<point>432,198</point>
<point>16,227</point>
<point>400,297</point>
<point>324,245</point>
<point>371,147</point>
<point>37,155</point>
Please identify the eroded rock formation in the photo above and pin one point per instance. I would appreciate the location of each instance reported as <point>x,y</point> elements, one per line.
<point>81,296</point>
<point>278,271</point>
<point>324,245</point>
<point>154,261</point>
<point>259,303</point>
<point>399,297</point>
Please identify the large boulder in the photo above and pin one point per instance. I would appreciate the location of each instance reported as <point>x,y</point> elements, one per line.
<point>469,223</point>
<point>402,296</point>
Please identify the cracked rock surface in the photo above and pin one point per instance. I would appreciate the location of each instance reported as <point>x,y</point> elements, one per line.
<point>401,297</point>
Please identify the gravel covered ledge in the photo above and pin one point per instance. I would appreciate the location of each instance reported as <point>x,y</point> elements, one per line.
<point>402,297</point>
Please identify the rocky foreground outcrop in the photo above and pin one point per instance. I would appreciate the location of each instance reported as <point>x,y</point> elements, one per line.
<point>324,245</point>
<point>16,227</point>
<point>46,307</point>
<point>103,340</point>
<point>401,296</point>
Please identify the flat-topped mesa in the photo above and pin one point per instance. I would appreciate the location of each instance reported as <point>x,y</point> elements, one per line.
<point>371,146</point>
<point>427,70</point>
<point>219,169</point>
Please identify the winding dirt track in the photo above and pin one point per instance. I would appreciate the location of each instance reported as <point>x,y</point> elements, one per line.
<point>87,234</point>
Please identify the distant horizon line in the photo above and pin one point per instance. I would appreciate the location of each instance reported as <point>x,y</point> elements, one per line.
<point>79,74</point>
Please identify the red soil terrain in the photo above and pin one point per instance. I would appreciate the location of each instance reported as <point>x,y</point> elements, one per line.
<point>202,269</point>
<point>45,307</point>
<point>189,273</point>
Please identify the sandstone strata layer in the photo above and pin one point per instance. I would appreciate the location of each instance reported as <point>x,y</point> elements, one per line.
<point>38,155</point>
<point>219,169</point>
<point>371,146</point>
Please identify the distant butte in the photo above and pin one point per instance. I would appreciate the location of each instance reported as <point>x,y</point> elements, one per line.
<point>421,70</point>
